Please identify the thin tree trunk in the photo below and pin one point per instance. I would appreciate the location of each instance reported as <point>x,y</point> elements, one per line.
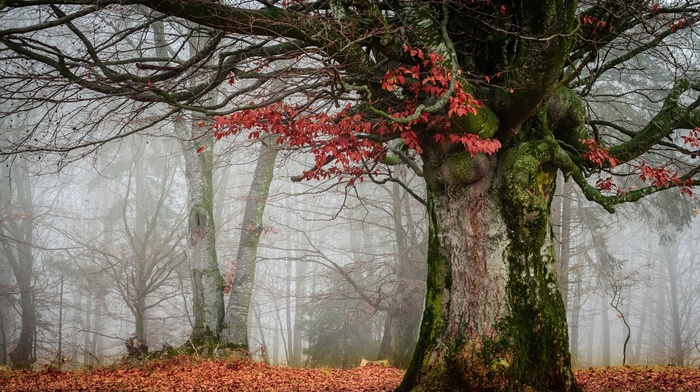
<point>575,322</point>
<point>87,357</point>
<point>300,292</point>
<point>288,312</point>
<point>261,332</point>
<point>237,310</point>
<point>605,327</point>
<point>3,339</point>
<point>402,322</point>
<point>17,241</point>
<point>637,355</point>
<point>275,360</point>
<point>59,354</point>
<point>671,261</point>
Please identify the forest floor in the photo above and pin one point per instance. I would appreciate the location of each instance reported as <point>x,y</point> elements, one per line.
<point>193,374</point>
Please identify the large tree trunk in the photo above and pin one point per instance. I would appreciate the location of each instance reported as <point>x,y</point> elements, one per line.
<point>494,318</point>
<point>198,152</point>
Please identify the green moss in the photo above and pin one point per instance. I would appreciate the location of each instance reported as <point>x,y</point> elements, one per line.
<point>432,324</point>
<point>484,123</point>
<point>535,331</point>
<point>391,159</point>
<point>462,168</point>
<point>566,117</point>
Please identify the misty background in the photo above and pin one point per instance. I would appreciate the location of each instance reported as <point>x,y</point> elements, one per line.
<point>329,259</point>
<point>93,241</point>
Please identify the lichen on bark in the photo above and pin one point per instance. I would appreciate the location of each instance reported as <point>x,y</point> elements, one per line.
<point>494,317</point>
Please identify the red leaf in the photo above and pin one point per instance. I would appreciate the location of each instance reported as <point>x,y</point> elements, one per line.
<point>597,155</point>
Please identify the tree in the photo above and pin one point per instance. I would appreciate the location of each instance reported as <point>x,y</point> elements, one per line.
<point>486,96</point>
<point>242,285</point>
<point>17,232</point>
<point>340,329</point>
<point>146,252</point>
<point>678,273</point>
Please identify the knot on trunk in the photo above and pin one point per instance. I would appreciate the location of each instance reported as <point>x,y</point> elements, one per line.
<point>462,168</point>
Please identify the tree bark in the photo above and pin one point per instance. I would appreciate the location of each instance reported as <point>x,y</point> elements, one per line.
<point>236,321</point>
<point>494,318</point>
<point>605,328</point>
<point>300,272</point>
<point>17,238</point>
<point>198,152</point>
<point>207,282</point>
<point>564,256</point>
<point>670,254</point>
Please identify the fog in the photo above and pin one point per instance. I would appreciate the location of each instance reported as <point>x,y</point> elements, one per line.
<point>119,218</point>
<point>104,241</point>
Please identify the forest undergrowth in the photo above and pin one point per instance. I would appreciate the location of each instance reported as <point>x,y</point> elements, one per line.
<point>184,373</point>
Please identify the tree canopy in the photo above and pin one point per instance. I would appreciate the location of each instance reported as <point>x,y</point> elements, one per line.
<point>403,65</point>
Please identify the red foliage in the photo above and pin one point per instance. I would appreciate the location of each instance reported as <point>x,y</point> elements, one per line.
<point>598,155</point>
<point>662,177</point>
<point>345,142</point>
<point>192,374</point>
<point>605,184</point>
<point>693,138</point>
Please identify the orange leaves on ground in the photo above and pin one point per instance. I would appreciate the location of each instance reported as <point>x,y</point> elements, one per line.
<point>192,374</point>
<point>639,379</point>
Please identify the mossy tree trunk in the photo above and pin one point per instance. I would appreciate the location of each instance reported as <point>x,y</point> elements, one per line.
<point>494,319</point>
<point>207,282</point>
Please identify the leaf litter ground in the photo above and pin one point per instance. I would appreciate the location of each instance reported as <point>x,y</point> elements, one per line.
<point>192,374</point>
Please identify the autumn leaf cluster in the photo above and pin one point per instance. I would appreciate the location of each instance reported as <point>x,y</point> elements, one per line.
<point>351,141</point>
